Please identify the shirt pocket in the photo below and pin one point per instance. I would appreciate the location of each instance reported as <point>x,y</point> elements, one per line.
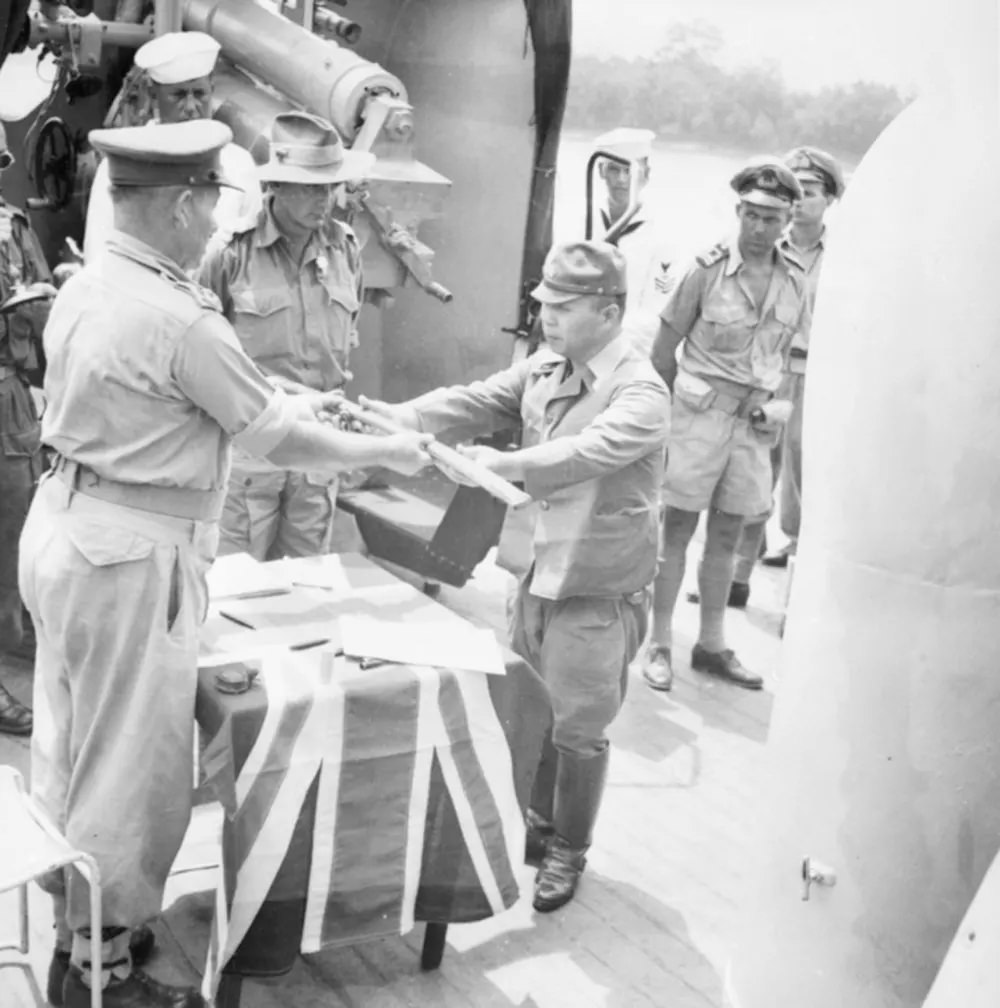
<point>262,320</point>
<point>777,331</point>
<point>342,303</point>
<point>728,329</point>
<point>20,431</point>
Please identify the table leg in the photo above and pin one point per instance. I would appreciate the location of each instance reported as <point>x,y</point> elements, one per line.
<point>433,950</point>
<point>230,989</point>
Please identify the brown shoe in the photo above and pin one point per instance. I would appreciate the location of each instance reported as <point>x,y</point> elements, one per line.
<point>656,668</point>
<point>557,879</point>
<point>15,718</point>
<point>725,665</point>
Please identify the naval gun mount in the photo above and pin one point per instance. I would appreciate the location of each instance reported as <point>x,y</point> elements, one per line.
<point>269,64</point>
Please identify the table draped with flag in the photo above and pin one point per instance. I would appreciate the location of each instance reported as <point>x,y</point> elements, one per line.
<point>359,801</point>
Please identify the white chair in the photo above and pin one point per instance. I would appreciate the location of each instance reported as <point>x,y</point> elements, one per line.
<point>31,846</point>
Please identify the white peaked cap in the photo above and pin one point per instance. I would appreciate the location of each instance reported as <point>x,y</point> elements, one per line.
<point>178,56</point>
<point>626,142</point>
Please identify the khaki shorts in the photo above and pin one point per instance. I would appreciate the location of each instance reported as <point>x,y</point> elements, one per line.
<point>715,459</point>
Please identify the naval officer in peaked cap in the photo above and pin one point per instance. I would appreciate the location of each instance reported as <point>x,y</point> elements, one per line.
<point>148,387</point>
<point>733,315</point>
<point>179,65</point>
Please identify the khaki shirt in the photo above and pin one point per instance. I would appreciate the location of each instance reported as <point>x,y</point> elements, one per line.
<point>236,208</point>
<point>595,523</point>
<point>726,335</point>
<point>146,381</point>
<point>297,321</point>
<point>812,261</point>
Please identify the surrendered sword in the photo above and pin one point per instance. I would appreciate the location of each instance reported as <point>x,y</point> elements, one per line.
<point>468,469</point>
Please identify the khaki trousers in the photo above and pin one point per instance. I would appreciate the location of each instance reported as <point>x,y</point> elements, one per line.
<point>117,596</point>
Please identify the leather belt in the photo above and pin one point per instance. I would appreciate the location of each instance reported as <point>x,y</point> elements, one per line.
<point>736,400</point>
<point>176,502</point>
<point>798,353</point>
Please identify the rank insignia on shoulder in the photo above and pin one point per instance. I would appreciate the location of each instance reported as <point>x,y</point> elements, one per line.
<point>714,255</point>
<point>205,298</point>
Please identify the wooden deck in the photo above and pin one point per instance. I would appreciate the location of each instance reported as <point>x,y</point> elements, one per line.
<point>654,915</point>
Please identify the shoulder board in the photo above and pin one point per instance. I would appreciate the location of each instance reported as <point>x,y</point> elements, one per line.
<point>203,297</point>
<point>714,255</point>
<point>791,258</point>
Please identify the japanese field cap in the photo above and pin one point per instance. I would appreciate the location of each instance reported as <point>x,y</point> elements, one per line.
<point>579,268</point>
<point>626,142</point>
<point>165,154</point>
<point>767,181</point>
<point>308,150</point>
<point>810,164</point>
<point>178,56</point>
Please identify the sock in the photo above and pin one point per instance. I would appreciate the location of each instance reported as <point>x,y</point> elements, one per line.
<point>116,960</point>
<point>678,527</point>
<point>715,575</point>
<point>749,547</point>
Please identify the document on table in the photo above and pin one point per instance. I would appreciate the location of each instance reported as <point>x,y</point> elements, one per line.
<point>446,641</point>
<point>239,575</point>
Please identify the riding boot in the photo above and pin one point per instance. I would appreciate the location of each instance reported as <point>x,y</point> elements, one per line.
<point>539,817</point>
<point>579,788</point>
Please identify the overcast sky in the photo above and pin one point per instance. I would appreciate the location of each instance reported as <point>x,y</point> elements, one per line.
<point>815,42</point>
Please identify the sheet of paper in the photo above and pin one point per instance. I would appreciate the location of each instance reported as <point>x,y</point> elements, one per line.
<point>239,575</point>
<point>443,641</point>
<point>342,573</point>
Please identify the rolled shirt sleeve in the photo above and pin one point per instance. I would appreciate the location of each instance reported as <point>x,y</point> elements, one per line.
<point>635,423</point>
<point>684,303</point>
<point>211,368</point>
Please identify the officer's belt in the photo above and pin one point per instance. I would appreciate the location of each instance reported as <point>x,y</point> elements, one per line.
<point>176,502</point>
<point>736,400</point>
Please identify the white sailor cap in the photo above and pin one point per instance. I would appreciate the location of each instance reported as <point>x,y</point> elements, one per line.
<point>626,142</point>
<point>178,56</point>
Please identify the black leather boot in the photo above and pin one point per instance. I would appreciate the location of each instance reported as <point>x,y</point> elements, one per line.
<point>579,788</point>
<point>539,818</point>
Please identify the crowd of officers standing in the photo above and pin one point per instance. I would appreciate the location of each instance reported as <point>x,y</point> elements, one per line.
<point>189,366</point>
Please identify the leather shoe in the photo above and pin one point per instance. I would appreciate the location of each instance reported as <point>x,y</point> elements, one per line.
<point>725,665</point>
<point>15,718</point>
<point>140,946</point>
<point>739,595</point>
<point>656,669</point>
<point>779,560</point>
<point>557,879</point>
<point>537,837</point>
<point>137,990</point>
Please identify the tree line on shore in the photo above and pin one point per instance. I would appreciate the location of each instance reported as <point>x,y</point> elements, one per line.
<point>683,93</point>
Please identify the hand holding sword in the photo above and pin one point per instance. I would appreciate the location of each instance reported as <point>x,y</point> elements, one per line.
<point>469,469</point>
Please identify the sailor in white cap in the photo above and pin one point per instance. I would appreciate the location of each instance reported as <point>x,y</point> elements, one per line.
<point>646,251</point>
<point>179,65</point>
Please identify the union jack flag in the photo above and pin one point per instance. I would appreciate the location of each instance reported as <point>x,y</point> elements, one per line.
<point>370,742</point>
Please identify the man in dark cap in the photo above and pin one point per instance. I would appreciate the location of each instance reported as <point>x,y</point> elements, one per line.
<point>25,295</point>
<point>594,416</point>
<point>148,387</point>
<point>736,312</point>
<point>291,285</point>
